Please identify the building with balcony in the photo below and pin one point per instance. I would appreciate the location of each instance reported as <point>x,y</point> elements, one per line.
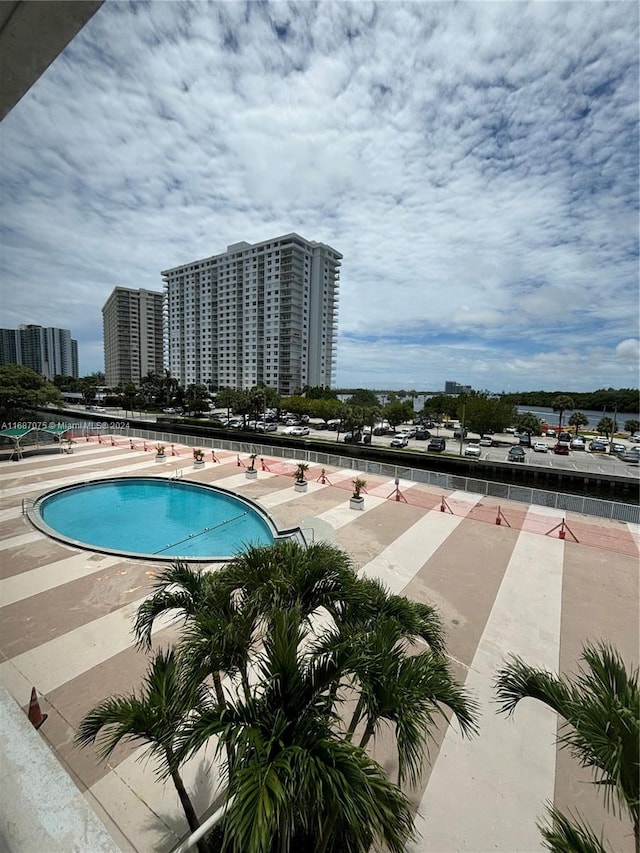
<point>257,313</point>
<point>133,335</point>
<point>48,351</point>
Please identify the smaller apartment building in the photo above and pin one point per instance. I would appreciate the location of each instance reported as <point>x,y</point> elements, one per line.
<point>257,313</point>
<point>133,335</point>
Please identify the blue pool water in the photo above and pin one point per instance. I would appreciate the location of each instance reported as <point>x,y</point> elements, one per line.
<point>144,517</point>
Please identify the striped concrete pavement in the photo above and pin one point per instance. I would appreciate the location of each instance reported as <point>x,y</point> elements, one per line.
<point>66,618</point>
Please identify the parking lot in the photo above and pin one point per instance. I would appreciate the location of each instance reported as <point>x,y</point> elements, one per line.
<point>576,460</point>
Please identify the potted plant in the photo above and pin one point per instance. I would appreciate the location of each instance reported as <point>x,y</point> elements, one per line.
<point>301,482</point>
<point>160,454</point>
<point>251,473</point>
<point>198,457</point>
<point>356,500</point>
<point>66,445</point>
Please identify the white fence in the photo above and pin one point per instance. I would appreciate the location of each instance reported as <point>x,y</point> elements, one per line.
<point>540,497</point>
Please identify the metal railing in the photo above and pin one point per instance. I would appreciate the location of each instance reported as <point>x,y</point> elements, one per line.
<point>583,504</point>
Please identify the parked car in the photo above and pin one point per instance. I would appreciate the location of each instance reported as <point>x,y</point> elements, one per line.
<point>486,441</point>
<point>516,454</point>
<point>577,444</point>
<point>561,448</point>
<point>525,439</point>
<point>635,438</point>
<point>472,450</point>
<point>437,445</point>
<point>457,433</point>
<point>299,430</point>
<point>616,447</point>
<point>352,437</point>
<point>399,441</point>
<point>598,446</point>
<point>564,436</point>
<point>510,430</point>
<point>540,447</point>
<point>422,434</point>
<point>629,456</point>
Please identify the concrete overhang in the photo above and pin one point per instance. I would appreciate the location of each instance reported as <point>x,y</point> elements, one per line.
<point>32,34</point>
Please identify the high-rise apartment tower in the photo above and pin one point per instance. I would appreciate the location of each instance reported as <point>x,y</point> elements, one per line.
<point>46,350</point>
<point>257,313</point>
<point>133,335</point>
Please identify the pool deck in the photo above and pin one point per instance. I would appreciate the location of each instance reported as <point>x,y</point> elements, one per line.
<point>509,587</point>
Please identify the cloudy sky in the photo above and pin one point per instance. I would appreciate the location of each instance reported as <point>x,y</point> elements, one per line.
<point>475,163</point>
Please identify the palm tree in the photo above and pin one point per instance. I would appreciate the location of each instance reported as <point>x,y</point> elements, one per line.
<point>577,420</point>
<point>295,784</point>
<point>601,710</point>
<point>217,634</point>
<point>155,717</point>
<point>561,404</point>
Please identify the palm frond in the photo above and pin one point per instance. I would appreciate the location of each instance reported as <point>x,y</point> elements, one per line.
<point>563,836</point>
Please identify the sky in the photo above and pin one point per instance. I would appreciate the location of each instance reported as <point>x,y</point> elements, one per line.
<point>476,163</point>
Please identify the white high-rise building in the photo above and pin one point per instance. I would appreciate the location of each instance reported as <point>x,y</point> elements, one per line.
<point>133,335</point>
<point>257,313</point>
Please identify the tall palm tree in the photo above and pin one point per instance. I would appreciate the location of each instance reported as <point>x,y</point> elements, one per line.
<point>601,710</point>
<point>154,717</point>
<point>561,404</point>
<point>296,784</point>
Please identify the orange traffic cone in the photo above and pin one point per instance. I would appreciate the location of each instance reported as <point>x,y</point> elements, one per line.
<point>36,717</point>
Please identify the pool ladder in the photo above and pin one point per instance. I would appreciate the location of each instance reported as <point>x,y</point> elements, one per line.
<point>177,475</point>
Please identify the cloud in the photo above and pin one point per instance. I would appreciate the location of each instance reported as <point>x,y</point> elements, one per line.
<point>476,165</point>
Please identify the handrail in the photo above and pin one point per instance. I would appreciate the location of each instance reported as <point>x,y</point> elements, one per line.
<point>27,504</point>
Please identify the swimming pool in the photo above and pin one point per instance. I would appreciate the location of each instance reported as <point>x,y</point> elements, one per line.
<point>153,518</point>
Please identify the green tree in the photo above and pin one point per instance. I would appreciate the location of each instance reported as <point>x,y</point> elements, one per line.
<point>398,413</point>
<point>484,414</point>
<point>21,390</point>
<point>528,423</point>
<point>632,426</point>
<point>155,717</point>
<point>363,398</point>
<point>577,420</point>
<point>197,399</point>
<point>227,398</point>
<point>605,426</point>
<point>561,404</point>
<point>601,712</point>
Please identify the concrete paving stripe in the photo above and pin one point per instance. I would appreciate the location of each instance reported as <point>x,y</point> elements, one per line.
<point>22,586</point>
<point>148,809</point>
<point>342,514</point>
<point>77,464</point>
<point>63,658</point>
<point>9,514</point>
<point>288,494</point>
<point>516,757</point>
<point>398,564</point>
<point>96,474</point>
<point>18,541</point>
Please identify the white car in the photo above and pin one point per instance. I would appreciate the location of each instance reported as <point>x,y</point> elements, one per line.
<point>299,430</point>
<point>486,441</point>
<point>635,438</point>
<point>472,450</point>
<point>540,447</point>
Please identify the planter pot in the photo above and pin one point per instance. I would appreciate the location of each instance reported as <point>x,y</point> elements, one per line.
<point>160,457</point>
<point>301,486</point>
<point>356,503</point>
<point>198,463</point>
<point>251,474</point>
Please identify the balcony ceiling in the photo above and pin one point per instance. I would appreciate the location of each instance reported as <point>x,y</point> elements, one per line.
<point>32,34</point>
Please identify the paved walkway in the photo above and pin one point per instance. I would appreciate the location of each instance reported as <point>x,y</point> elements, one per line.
<point>513,587</point>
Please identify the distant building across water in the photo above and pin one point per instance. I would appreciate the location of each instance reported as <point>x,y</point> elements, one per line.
<point>47,351</point>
